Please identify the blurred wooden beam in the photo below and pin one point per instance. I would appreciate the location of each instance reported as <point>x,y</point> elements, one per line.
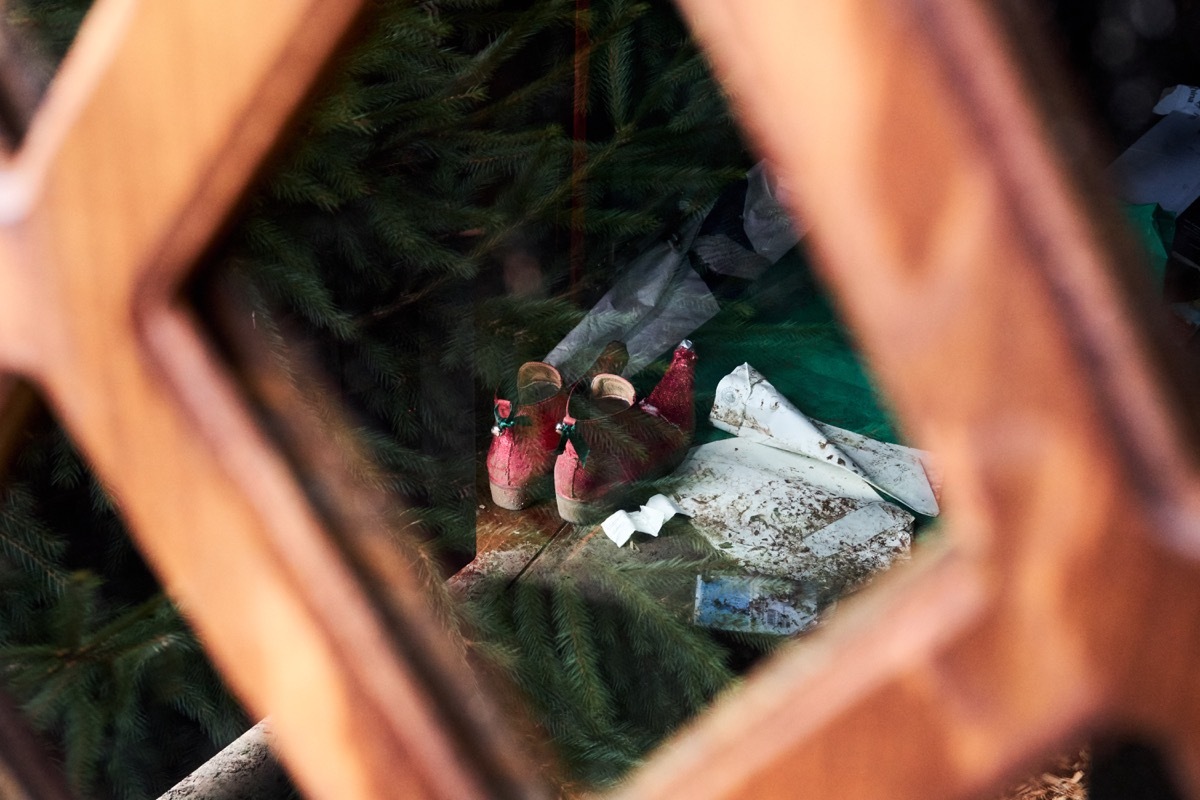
<point>153,129</point>
<point>26,769</point>
<point>19,406</point>
<point>986,272</point>
<point>25,73</point>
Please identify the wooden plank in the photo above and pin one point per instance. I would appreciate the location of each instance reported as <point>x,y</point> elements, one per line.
<point>507,543</point>
<point>150,133</point>
<point>995,293</point>
<point>27,771</point>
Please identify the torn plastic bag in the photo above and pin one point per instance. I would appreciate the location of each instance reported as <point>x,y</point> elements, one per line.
<point>660,299</point>
<point>652,306</point>
<point>745,245</point>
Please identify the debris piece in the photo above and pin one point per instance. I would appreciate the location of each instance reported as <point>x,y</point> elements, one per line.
<point>619,527</point>
<point>659,298</point>
<point>1183,99</point>
<point>1163,166</point>
<point>899,471</point>
<point>754,604</point>
<point>663,505</point>
<point>657,301</point>
<point>782,514</point>
<point>650,518</point>
<point>749,406</point>
<point>647,520</point>
<point>762,223</point>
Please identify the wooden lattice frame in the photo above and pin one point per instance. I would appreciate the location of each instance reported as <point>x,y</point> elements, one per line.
<point>981,274</point>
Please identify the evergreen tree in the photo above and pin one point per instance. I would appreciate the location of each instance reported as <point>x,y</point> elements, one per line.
<point>609,667</point>
<point>99,658</point>
<point>438,173</point>
<point>419,231</point>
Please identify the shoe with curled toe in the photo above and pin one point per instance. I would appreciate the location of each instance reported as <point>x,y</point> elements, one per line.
<point>521,456</point>
<point>609,441</point>
<point>520,460</point>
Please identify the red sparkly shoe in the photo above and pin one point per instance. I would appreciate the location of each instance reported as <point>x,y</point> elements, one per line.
<point>521,457</point>
<point>608,442</point>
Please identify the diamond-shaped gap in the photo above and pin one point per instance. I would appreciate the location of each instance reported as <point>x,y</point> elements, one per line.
<point>34,39</point>
<point>101,662</point>
<point>388,229</point>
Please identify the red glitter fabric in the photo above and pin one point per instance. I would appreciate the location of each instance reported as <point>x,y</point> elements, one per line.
<point>522,454</point>
<point>675,396</point>
<point>640,442</point>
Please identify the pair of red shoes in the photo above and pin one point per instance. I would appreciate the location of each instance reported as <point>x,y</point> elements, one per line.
<point>597,444</point>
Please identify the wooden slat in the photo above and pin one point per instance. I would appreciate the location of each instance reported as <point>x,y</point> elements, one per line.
<point>27,771</point>
<point>976,269</point>
<point>156,122</point>
<point>994,290</point>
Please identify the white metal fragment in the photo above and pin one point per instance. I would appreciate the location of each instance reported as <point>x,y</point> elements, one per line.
<point>749,406</point>
<point>738,466</point>
<point>898,470</point>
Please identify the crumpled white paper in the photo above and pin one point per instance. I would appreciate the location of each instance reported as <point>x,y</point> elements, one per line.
<point>768,223</point>
<point>621,525</point>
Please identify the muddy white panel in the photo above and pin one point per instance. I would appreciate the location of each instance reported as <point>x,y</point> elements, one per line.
<point>737,466</point>
<point>898,470</point>
<point>774,512</point>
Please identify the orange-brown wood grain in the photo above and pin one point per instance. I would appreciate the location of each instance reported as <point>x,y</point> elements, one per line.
<point>977,268</point>
<point>152,129</point>
<point>992,287</point>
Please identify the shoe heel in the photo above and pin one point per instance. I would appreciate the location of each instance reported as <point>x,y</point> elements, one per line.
<point>579,512</point>
<point>588,512</point>
<point>514,498</point>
